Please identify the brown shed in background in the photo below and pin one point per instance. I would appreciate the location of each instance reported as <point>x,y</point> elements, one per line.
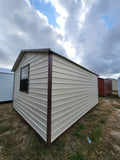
<point>104,87</point>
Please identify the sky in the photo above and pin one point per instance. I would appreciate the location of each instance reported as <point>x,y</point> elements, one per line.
<point>85,31</point>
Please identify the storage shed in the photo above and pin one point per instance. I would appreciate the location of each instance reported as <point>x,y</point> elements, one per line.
<point>114,85</point>
<point>104,87</point>
<point>6,85</point>
<point>51,92</point>
<point>119,87</point>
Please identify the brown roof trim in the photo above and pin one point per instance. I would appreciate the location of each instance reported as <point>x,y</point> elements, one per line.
<point>44,50</point>
<point>49,98</point>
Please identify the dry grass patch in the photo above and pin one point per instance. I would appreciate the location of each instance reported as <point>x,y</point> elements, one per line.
<point>18,141</point>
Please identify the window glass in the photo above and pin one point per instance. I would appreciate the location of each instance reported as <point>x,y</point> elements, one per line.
<point>24,79</point>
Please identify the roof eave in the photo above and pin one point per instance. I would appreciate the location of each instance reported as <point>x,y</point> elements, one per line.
<point>26,51</point>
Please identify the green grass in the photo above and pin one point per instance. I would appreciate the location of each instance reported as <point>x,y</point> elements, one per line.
<point>117,107</point>
<point>4,129</point>
<point>78,133</point>
<point>78,156</point>
<point>104,114</point>
<point>96,134</point>
<point>108,110</point>
<point>96,125</point>
<point>92,117</point>
<point>60,146</point>
<point>97,109</point>
<point>37,147</point>
<point>102,121</point>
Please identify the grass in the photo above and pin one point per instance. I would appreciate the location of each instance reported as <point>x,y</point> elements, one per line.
<point>102,121</point>
<point>78,133</point>
<point>60,146</point>
<point>96,134</point>
<point>117,107</point>
<point>4,129</point>
<point>104,114</point>
<point>78,156</point>
<point>20,142</point>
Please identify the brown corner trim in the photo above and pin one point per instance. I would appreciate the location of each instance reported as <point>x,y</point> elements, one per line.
<point>49,98</point>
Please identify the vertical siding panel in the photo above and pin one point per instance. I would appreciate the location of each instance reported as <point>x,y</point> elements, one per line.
<point>101,87</point>
<point>114,85</point>
<point>33,106</point>
<point>74,93</point>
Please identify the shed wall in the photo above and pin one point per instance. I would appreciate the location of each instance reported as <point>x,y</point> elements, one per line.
<point>6,87</point>
<point>74,93</point>
<point>108,87</point>
<point>33,106</point>
<point>101,87</point>
<point>114,85</point>
<point>119,87</point>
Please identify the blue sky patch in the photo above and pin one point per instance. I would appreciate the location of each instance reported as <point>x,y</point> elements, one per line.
<point>47,9</point>
<point>108,22</point>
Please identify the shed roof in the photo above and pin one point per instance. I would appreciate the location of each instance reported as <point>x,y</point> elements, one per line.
<point>43,50</point>
<point>5,70</point>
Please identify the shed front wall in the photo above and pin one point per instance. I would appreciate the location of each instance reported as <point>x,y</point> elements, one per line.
<point>119,87</point>
<point>6,87</point>
<point>74,93</point>
<point>33,106</point>
<point>114,85</point>
<point>107,87</point>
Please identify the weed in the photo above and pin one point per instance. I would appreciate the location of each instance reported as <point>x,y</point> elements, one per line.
<point>95,135</point>
<point>78,156</point>
<point>103,121</point>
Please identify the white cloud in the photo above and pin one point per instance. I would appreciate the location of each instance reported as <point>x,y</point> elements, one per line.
<point>21,26</point>
<point>82,34</point>
<point>94,46</point>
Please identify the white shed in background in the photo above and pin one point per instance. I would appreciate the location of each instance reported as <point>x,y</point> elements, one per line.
<point>6,85</point>
<point>114,85</point>
<point>119,86</point>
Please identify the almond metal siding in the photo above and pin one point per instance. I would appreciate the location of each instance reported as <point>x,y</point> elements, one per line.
<point>33,106</point>
<point>114,85</point>
<point>74,93</point>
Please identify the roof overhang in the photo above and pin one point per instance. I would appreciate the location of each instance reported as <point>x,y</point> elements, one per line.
<point>44,50</point>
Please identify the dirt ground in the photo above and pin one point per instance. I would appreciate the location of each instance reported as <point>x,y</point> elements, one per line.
<point>101,125</point>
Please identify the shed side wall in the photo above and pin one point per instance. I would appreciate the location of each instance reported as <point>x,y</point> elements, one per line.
<point>6,87</point>
<point>114,85</point>
<point>33,106</point>
<point>101,87</point>
<point>108,87</point>
<point>74,93</point>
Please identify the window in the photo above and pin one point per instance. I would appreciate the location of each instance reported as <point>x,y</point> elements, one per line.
<point>24,79</point>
